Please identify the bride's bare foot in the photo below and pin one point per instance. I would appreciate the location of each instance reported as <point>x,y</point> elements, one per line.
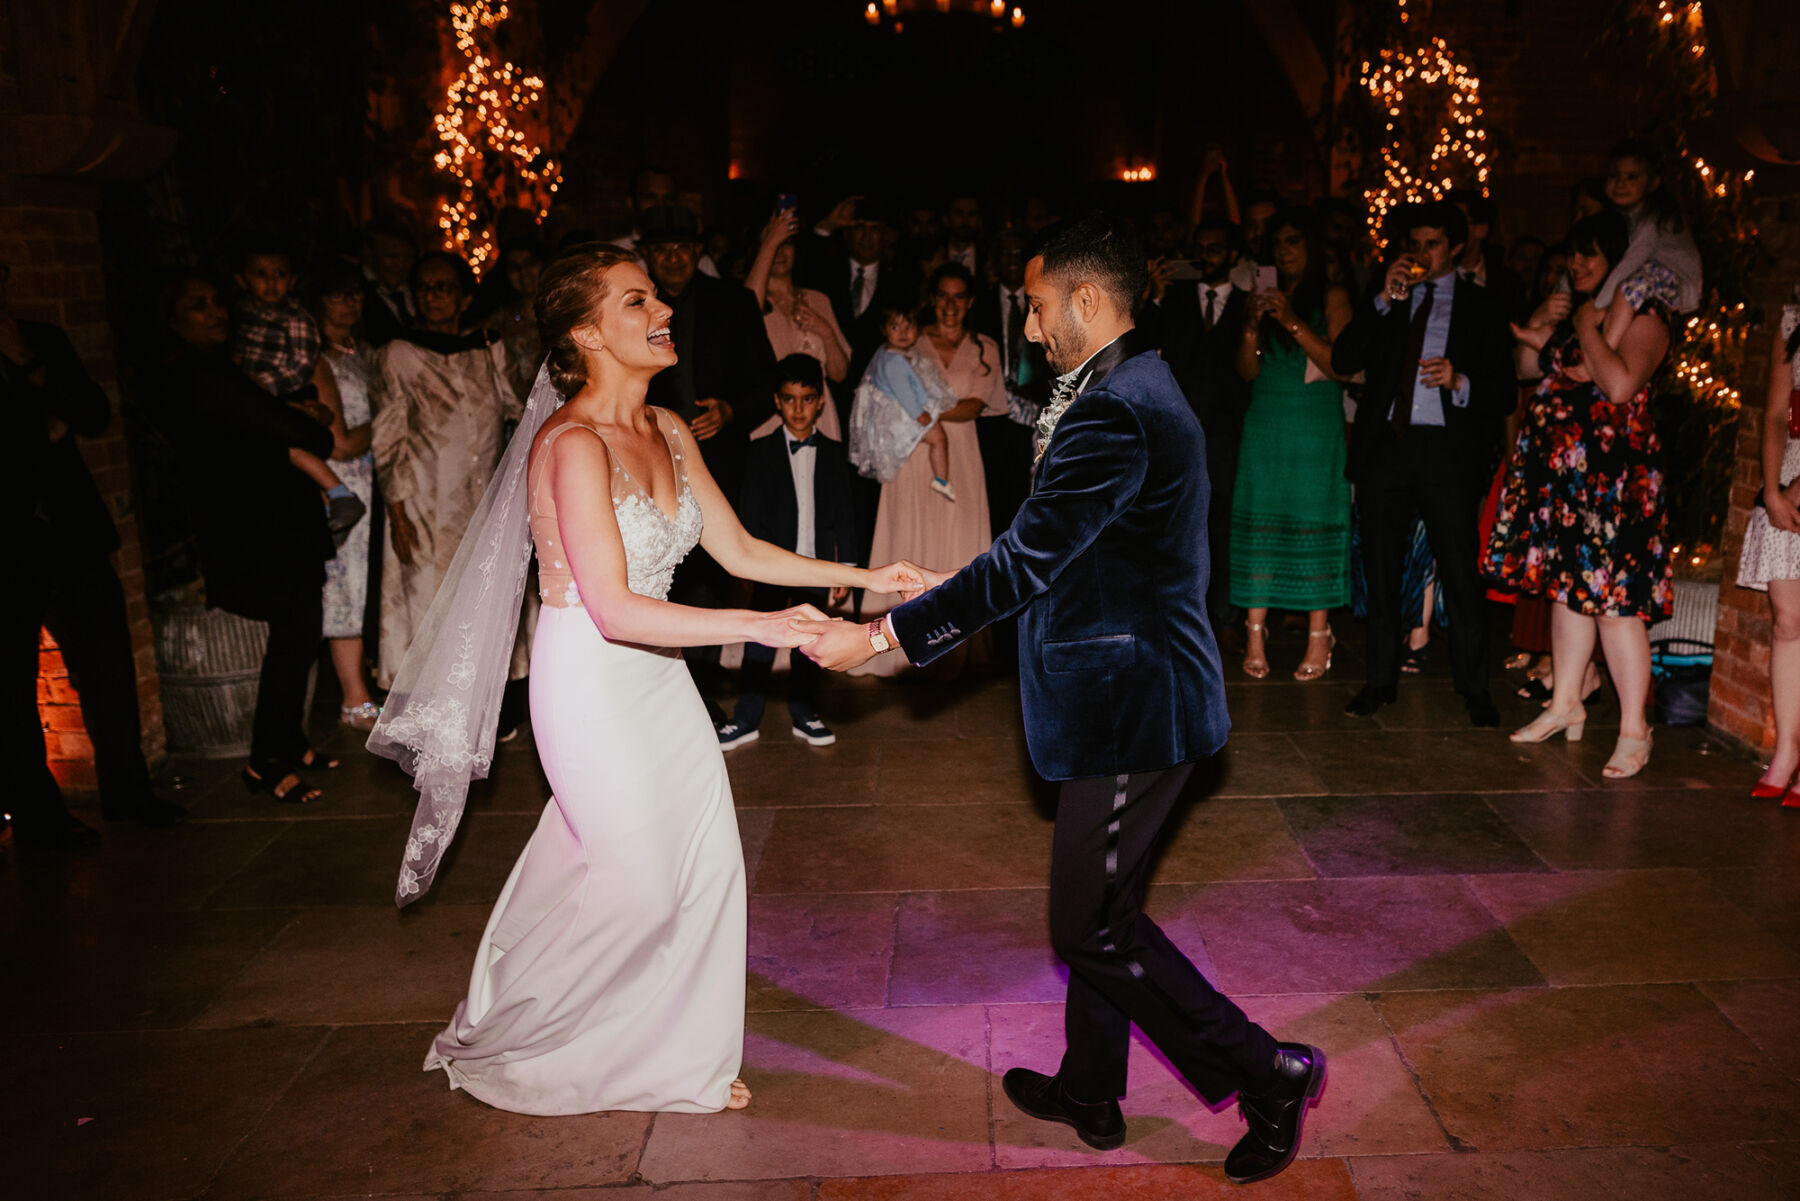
<point>740,1095</point>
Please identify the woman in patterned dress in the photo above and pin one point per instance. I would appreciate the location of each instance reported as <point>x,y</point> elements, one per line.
<point>1771,558</point>
<point>1582,520</point>
<point>337,305</point>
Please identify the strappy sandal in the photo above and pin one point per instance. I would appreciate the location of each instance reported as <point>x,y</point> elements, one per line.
<point>313,757</point>
<point>1628,758</point>
<point>1412,663</point>
<point>1257,668</point>
<point>1307,672</point>
<point>270,780</point>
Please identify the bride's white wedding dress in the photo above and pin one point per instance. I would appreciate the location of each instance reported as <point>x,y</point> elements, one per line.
<point>611,974</point>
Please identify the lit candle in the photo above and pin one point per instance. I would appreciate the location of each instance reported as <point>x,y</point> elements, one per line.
<point>996,8</point>
<point>872,14</point>
<point>890,6</point>
<point>1018,17</point>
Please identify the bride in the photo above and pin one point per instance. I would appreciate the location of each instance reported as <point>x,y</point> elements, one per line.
<point>611,973</point>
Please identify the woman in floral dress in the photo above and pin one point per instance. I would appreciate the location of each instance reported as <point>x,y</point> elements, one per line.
<point>1582,520</point>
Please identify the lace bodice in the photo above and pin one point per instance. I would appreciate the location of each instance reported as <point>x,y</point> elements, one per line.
<point>655,543</point>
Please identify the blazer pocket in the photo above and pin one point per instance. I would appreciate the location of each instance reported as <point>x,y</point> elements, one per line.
<point>1108,652</point>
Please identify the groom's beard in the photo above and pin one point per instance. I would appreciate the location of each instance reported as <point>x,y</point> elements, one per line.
<point>1066,342</point>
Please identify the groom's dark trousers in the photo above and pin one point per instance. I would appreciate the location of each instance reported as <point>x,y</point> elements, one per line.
<point>1122,967</point>
<point>1106,567</point>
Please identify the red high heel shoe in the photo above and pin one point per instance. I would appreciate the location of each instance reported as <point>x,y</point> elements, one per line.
<point>1769,792</point>
<point>1791,800</point>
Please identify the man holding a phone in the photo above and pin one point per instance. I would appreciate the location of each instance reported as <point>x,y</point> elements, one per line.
<point>1436,351</point>
<point>1199,318</point>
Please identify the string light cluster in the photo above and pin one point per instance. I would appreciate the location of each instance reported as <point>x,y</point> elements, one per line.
<point>1458,153</point>
<point>482,127</point>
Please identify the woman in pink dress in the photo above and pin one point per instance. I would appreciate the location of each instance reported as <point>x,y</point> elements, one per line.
<point>798,321</point>
<point>914,520</point>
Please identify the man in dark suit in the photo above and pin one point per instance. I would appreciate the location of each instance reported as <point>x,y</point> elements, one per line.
<point>1000,313</point>
<point>68,584</point>
<point>1436,352</point>
<point>1106,566</point>
<point>1199,322</point>
<point>845,260</point>
<point>389,252</point>
<point>719,386</point>
<point>796,495</point>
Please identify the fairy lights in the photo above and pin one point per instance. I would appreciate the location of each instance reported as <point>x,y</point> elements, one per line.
<point>484,145</point>
<point>1458,153</point>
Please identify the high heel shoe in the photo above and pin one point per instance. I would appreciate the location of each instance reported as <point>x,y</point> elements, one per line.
<point>1306,672</point>
<point>1547,724</point>
<point>1791,800</point>
<point>1628,758</point>
<point>1768,792</point>
<point>1256,668</point>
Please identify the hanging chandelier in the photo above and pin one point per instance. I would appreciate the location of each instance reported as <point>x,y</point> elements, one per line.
<point>893,13</point>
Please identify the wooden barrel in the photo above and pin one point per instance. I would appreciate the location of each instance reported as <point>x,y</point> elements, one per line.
<point>209,662</point>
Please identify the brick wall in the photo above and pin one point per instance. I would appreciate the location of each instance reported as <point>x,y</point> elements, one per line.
<point>54,253</point>
<point>1739,707</point>
<point>1555,97</point>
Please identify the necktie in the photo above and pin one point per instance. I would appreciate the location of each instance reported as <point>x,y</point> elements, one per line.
<point>1212,307</point>
<point>857,301</point>
<point>798,444</point>
<point>1015,335</point>
<point>1401,419</point>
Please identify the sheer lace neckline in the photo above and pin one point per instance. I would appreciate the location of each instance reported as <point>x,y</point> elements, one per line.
<point>682,490</point>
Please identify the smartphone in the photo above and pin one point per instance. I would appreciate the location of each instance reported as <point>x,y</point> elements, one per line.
<point>787,202</point>
<point>1266,280</point>
<point>1184,269</point>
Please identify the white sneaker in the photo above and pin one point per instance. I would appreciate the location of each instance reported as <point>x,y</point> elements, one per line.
<point>942,488</point>
<point>814,731</point>
<point>732,735</point>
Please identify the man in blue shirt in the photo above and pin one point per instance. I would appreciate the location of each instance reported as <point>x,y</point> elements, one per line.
<point>1436,351</point>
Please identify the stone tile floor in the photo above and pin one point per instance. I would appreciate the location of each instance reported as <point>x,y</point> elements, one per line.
<point>1531,982</point>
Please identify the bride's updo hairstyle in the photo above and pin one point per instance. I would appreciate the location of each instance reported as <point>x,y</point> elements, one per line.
<point>570,294</point>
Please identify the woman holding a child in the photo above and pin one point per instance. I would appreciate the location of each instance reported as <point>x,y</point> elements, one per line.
<point>916,521</point>
<point>1582,520</point>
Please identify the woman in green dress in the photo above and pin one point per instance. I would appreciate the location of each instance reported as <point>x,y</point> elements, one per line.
<point>1290,511</point>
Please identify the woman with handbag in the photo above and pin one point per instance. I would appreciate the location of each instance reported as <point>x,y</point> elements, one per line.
<point>1771,558</point>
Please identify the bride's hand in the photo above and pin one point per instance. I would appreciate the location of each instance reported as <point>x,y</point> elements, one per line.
<point>908,579</point>
<point>777,629</point>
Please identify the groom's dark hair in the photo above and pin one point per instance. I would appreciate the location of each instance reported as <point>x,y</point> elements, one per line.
<point>1100,247</point>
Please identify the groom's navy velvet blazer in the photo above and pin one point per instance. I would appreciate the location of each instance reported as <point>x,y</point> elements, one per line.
<point>1106,565</point>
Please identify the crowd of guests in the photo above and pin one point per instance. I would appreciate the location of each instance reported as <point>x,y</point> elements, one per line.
<point>1408,424</point>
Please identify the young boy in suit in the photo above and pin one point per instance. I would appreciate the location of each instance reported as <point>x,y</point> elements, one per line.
<point>796,494</point>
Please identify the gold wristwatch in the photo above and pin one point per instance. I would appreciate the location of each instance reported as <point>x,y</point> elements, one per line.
<point>879,639</point>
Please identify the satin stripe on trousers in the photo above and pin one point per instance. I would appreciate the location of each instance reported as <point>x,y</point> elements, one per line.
<point>1122,968</point>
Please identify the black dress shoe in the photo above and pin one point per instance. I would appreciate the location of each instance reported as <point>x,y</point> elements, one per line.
<point>152,810</point>
<point>1481,711</point>
<point>1371,698</point>
<point>1275,1116</point>
<point>1099,1124</point>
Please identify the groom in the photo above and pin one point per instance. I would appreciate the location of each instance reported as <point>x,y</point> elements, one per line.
<point>1106,568</point>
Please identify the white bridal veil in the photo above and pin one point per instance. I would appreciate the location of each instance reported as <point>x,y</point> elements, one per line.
<point>441,717</point>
